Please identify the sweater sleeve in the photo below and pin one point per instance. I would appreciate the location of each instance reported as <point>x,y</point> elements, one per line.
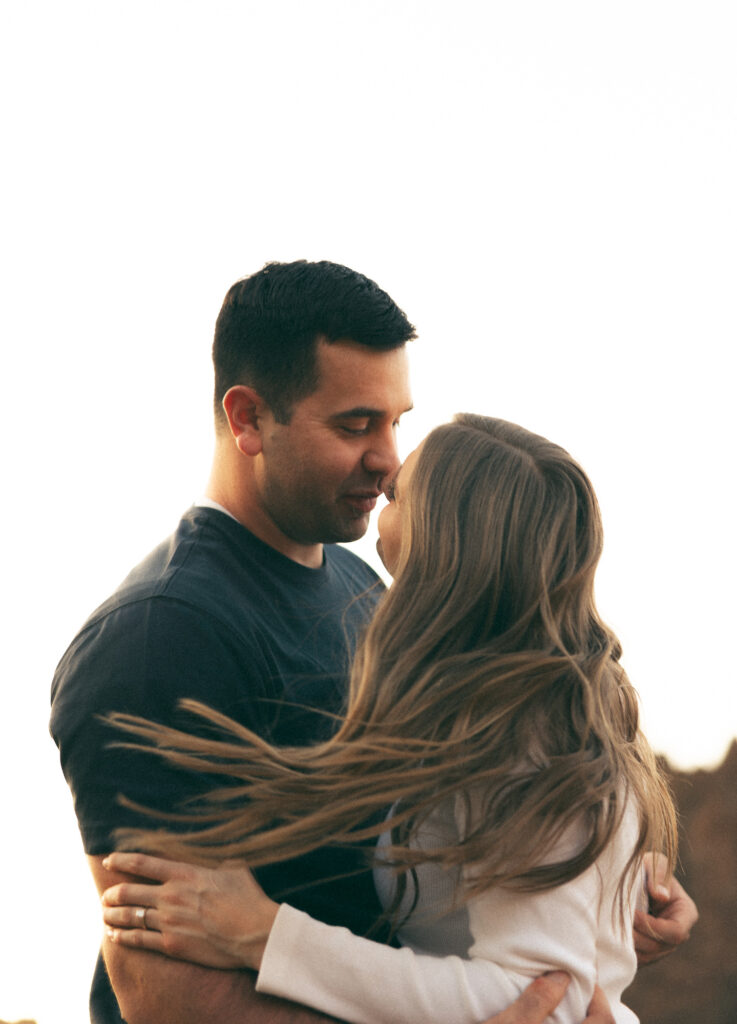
<point>363,982</point>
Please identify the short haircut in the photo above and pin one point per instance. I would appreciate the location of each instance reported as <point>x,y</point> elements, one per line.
<point>269,325</point>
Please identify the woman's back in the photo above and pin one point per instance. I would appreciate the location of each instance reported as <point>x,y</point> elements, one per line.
<point>465,960</point>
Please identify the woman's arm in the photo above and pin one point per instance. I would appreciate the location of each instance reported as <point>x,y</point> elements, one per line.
<point>534,1006</point>
<point>222,918</point>
<point>364,982</point>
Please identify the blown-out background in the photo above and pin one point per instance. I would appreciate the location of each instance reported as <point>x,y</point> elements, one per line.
<point>546,188</point>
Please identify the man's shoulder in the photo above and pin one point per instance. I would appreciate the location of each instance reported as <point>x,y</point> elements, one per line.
<point>179,595</point>
<point>173,628</point>
<point>205,558</point>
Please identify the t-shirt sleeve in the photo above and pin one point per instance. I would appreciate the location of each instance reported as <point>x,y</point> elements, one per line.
<point>142,658</point>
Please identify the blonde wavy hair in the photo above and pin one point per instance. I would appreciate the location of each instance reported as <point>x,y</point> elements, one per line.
<point>486,673</point>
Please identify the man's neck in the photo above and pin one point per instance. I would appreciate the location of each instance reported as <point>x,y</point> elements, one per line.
<point>209,503</point>
<point>256,521</point>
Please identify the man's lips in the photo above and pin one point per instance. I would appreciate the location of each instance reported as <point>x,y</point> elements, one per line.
<point>363,502</point>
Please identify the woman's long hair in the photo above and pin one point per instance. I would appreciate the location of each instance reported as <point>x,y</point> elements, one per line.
<point>486,675</point>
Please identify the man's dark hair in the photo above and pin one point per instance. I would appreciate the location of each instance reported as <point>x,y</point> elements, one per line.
<point>267,331</point>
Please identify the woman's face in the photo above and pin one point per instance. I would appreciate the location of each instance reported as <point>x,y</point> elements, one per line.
<point>393,516</point>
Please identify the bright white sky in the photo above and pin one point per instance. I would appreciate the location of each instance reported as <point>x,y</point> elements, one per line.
<point>546,188</point>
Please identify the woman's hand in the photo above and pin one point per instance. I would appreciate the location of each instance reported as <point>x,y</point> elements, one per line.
<point>217,917</point>
<point>672,913</point>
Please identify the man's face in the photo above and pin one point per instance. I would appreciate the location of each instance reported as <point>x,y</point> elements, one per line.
<point>320,474</point>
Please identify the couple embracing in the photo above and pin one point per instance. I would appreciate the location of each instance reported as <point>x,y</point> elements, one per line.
<point>431,803</point>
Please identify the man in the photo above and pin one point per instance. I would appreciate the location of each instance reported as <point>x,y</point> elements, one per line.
<point>249,607</point>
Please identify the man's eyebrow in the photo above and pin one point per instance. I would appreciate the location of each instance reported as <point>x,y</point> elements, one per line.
<point>362,412</point>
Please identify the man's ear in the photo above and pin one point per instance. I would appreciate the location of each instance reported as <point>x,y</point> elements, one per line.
<point>245,410</point>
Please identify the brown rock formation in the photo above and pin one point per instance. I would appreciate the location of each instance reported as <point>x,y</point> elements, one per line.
<point>698,983</point>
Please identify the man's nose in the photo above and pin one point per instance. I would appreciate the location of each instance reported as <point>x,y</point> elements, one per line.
<point>381,458</point>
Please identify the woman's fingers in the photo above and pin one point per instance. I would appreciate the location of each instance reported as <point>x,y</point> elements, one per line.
<point>137,927</point>
<point>137,938</point>
<point>143,918</point>
<point>131,894</point>
<point>672,916</point>
<point>141,864</point>
<point>217,917</point>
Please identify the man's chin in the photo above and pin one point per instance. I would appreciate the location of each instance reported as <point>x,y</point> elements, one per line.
<point>346,530</point>
<point>355,529</point>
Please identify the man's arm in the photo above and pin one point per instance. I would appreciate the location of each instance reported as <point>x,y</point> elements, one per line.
<point>141,658</point>
<point>153,989</point>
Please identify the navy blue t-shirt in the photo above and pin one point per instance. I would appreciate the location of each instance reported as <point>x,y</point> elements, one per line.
<point>216,615</point>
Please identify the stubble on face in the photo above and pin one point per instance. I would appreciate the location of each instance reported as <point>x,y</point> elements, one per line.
<point>302,509</point>
<point>323,471</point>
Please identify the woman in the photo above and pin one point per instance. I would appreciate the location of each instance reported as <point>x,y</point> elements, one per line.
<point>489,711</point>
